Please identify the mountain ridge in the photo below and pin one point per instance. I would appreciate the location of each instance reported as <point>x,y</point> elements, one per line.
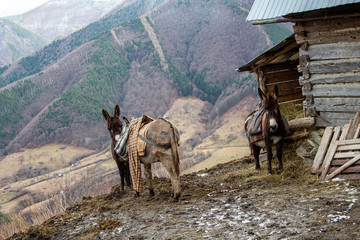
<point>90,70</point>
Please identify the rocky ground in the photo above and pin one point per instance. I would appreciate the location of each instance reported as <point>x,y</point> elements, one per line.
<point>229,201</point>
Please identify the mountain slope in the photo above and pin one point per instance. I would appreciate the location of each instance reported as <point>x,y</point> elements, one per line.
<point>64,86</point>
<point>16,42</point>
<point>59,18</point>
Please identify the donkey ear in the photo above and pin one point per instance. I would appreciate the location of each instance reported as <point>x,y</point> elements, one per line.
<point>276,92</point>
<point>126,120</point>
<point>261,94</point>
<point>105,114</point>
<point>117,111</point>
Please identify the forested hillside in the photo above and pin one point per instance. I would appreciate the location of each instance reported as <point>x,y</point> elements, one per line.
<point>178,48</point>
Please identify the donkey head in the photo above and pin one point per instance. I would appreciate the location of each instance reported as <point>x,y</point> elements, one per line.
<point>271,107</point>
<point>114,125</point>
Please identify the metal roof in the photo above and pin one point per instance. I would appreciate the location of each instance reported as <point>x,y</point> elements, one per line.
<point>286,51</point>
<point>270,9</point>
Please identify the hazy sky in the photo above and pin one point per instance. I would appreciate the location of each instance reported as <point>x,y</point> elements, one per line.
<point>14,7</point>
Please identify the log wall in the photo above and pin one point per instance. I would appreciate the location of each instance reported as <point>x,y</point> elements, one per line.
<point>329,60</point>
<point>285,76</point>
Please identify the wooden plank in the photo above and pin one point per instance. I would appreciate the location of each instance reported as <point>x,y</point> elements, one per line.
<point>339,162</point>
<point>348,142</point>
<point>353,126</point>
<point>351,147</point>
<point>351,77</point>
<point>340,155</point>
<point>291,97</point>
<point>334,66</point>
<point>285,75</point>
<point>325,141</point>
<point>343,167</point>
<point>348,169</point>
<point>357,133</point>
<point>288,66</point>
<point>349,176</point>
<point>328,158</point>
<point>335,90</point>
<point>334,140</point>
<point>344,131</point>
<point>332,51</point>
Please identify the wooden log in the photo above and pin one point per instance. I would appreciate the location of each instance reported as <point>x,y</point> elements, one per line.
<point>322,149</point>
<point>326,25</point>
<point>333,51</point>
<point>335,90</point>
<point>293,138</point>
<point>353,126</point>
<point>334,66</point>
<point>337,104</point>
<point>301,123</point>
<point>351,77</point>
<point>325,122</point>
<point>343,167</point>
<point>329,37</point>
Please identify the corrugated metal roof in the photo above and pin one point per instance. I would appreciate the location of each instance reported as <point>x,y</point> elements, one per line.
<point>270,9</point>
<point>289,52</point>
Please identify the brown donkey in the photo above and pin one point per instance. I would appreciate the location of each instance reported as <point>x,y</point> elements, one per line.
<point>165,149</point>
<point>114,125</point>
<point>266,127</point>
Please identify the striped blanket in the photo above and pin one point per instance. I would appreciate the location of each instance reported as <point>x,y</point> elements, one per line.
<point>121,144</point>
<point>134,160</point>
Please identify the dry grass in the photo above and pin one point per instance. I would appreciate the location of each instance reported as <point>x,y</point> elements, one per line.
<point>56,202</point>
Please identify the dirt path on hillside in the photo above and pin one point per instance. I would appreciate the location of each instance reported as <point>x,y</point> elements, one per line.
<point>155,41</point>
<point>229,201</point>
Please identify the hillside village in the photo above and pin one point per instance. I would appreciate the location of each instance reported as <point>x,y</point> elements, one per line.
<point>59,179</point>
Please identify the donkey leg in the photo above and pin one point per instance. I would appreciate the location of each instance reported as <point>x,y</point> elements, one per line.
<point>121,167</point>
<point>174,175</point>
<point>148,175</point>
<point>269,157</point>
<point>256,152</point>
<point>279,148</point>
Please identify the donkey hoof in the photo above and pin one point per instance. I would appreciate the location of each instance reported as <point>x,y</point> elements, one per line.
<point>176,197</point>
<point>152,193</point>
<point>269,173</point>
<point>137,194</point>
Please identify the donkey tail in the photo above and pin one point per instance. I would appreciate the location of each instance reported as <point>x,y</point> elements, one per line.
<point>174,150</point>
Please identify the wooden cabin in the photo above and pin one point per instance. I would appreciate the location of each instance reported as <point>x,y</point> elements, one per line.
<point>328,37</point>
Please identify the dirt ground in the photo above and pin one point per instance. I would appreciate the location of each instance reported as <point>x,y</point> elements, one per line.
<point>229,201</point>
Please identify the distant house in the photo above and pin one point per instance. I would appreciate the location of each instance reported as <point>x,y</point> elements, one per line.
<point>6,187</point>
<point>327,34</point>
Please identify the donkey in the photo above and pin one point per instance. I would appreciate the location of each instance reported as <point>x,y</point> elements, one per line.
<point>273,128</point>
<point>165,149</point>
<point>114,126</point>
